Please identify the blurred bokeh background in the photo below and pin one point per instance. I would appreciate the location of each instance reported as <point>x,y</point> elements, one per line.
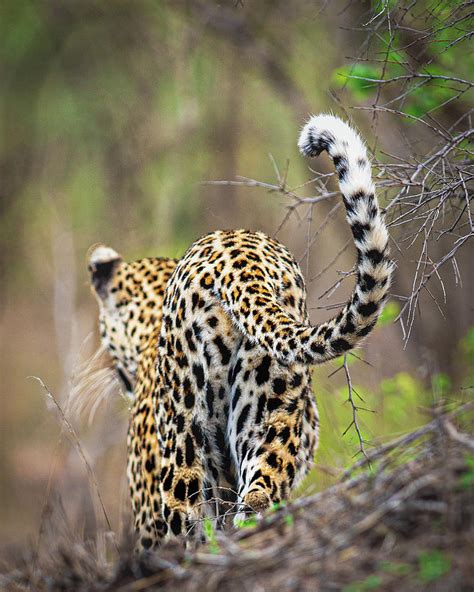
<point>113,115</point>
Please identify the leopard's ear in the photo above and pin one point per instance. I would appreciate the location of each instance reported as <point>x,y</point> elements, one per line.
<point>102,261</point>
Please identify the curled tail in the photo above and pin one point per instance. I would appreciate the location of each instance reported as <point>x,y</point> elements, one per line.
<point>290,340</point>
<point>374,268</point>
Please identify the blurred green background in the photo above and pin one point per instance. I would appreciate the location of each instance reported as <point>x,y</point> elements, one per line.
<point>113,114</point>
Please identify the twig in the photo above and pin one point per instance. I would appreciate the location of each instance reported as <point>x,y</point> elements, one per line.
<point>350,398</point>
<point>80,450</point>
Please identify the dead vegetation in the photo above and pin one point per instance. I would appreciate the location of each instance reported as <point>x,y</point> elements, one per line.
<point>401,519</point>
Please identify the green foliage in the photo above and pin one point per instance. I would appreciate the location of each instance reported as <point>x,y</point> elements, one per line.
<point>356,77</point>
<point>427,95</point>
<point>424,90</point>
<point>402,394</point>
<point>466,480</point>
<point>467,344</point>
<point>402,385</point>
<point>389,313</point>
<point>424,95</point>
<point>250,522</point>
<point>394,407</point>
<point>289,520</point>
<point>395,568</point>
<point>338,362</point>
<point>372,582</point>
<point>277,506</point>
<point>210,534</point>
<point>433,565</point>
<point>441,384</point>
<point>380,5</point>
<point>24,25</point>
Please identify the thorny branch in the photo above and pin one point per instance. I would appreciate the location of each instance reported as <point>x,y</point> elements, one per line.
<point>355,408</point>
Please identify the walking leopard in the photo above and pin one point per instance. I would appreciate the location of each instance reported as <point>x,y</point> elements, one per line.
<point>216,350</point>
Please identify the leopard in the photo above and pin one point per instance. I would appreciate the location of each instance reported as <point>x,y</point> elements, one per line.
<point>216,351</point>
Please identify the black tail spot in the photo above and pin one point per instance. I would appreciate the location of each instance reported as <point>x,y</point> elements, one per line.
<point>367,283</point>
<point>374,256</point>
<point>340,345</point>
<point>366,330</point>
<point>366,310</point>
<point>359,230</point>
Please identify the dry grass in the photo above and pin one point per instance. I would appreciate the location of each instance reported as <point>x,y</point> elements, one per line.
<point>404,520</point>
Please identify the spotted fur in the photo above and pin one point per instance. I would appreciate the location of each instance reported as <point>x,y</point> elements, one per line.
<point>216,350</point>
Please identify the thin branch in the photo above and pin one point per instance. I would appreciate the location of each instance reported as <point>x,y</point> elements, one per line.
<point>80,450</point>
<point>355,409</point>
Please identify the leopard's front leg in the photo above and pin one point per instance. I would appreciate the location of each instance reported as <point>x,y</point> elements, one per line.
<point>143,472</point>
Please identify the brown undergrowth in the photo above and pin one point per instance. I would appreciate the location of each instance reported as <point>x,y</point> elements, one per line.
<point>403,519</point>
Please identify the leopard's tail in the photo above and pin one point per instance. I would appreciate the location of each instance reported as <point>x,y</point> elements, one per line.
<point>374,267</point>
<point>290,340</point>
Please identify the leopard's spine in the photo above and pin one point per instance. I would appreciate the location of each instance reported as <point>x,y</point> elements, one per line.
<point>374,267</point>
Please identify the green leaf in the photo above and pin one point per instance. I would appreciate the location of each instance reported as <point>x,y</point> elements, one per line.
<point>467,343</point>
<point>289,520</point>
<point>389,313</point>
<point>395,568</point>
<point>339,361</point>
<point>357,78</point>
<point>433,565</point>
<point>25,27</point>
<point>372,582</point>
<point>440,383</point>
<point>277,505</point>
<point>428,95</point>
<point>401,385</point>
<point>210,534</point>
<point>466,481</point>
<point>247,523</point>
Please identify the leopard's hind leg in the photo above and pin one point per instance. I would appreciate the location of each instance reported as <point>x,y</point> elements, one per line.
<point>272,428</point>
